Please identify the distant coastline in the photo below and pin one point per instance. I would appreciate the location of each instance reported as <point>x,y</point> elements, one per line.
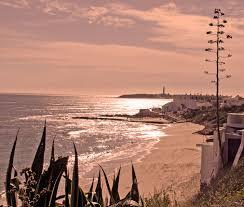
<point>171,96</point>
<point>144,95</point>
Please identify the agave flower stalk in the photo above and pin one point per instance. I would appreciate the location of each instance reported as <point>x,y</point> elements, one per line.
<point>219,34</point>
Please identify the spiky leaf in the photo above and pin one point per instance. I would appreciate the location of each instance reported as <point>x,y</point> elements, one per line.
<point>75,182</point>
<point>59,167</point>
<point>99,195</point>
<point>115,188</point>
<point>54,191</point>
<point>89,194</point>
<point>37,165</point>
<point>9,196</point>
<point>134,193</point>
<point>82,200</point>
<point>67,189</point>
<point>52,160</point>
<point>108,186</point>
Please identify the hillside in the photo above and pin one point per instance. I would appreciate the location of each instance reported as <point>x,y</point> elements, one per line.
<point>227,190</point>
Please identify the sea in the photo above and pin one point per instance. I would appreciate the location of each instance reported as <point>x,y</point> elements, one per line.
<point>97,141</point>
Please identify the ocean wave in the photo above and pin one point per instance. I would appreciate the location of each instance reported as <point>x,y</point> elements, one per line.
<point>122,155</point>
<point>35,117</point>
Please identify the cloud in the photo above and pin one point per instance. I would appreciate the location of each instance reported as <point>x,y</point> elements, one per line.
<point>161,38</point>
<point>15,3</point>
<point>107,16</point>
<point>167,25</point>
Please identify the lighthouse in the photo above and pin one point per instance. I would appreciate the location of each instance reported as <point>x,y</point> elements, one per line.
<point>163,90</point>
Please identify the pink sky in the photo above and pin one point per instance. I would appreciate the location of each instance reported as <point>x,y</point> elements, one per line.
<point>114,47</point>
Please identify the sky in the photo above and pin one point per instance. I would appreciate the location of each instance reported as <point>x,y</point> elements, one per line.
<point>115,47</point>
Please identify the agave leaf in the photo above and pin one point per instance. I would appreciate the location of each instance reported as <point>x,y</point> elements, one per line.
<point>37,165</point>
<point>15,172</point>
<point>89,194</point>
<point>67,189</point>
<point>13,199</point>
<point>115,187</point>
<point>99,195</point>
<point>52,160</point>
<point>9,196</point>
<point>48,179</point>
<point>75,182</point>
<point>58,166</point>
<point>54,191</point>
<point>43,181</point>
<point>134,193</point>
<point>108,186</point>
<point>82,200</point>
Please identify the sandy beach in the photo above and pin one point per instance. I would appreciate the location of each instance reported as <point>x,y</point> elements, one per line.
<point>173,165</point>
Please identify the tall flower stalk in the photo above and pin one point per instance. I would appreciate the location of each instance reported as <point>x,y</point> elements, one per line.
<point>219,52</point>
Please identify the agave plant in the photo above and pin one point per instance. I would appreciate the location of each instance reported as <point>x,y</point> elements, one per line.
<point>40,187</point>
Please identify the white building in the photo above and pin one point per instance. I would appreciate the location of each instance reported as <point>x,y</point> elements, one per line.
<point>236,101</point>
<point>179,104</point>
<point>232,142</point>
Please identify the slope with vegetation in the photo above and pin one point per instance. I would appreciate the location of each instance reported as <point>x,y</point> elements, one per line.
<point>227,190</point>
<point>207,116</point>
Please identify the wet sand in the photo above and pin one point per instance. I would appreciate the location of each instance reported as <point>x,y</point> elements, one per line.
<point>174,164</point>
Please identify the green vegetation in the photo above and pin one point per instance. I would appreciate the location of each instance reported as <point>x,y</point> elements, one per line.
<point>39,187</point>
<point>207,116</point>
<point>159,199</point>
<point>227,190</point>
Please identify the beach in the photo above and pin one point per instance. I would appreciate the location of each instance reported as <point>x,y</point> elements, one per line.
<point>172,165</point>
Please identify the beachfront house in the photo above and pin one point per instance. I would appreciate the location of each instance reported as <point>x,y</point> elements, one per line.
<point>235,101</point>
<point>179,104</point>
<point>232,142</point>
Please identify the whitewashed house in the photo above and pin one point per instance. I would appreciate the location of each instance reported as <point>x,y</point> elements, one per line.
<point>179,104</point>
<point>232,142</point>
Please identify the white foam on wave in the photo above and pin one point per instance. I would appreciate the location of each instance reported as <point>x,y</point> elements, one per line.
<point>122,155</point>
<point>77,132</point>
<point>37,117</point>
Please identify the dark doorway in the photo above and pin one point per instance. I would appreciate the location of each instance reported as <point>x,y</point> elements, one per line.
<point>233,145</point>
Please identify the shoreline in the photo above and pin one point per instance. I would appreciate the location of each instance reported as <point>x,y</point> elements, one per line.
<point>172,164</point>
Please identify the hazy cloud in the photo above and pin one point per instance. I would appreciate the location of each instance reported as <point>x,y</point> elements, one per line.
<point>116,39</point>
<point>15,3</point>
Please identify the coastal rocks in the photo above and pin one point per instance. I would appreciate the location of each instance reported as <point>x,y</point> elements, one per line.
<point>147,113</point>
<point>208,130</point>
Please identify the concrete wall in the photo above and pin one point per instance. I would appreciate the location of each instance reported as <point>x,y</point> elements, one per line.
<point>235,120</point>
<point>211,159</point>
